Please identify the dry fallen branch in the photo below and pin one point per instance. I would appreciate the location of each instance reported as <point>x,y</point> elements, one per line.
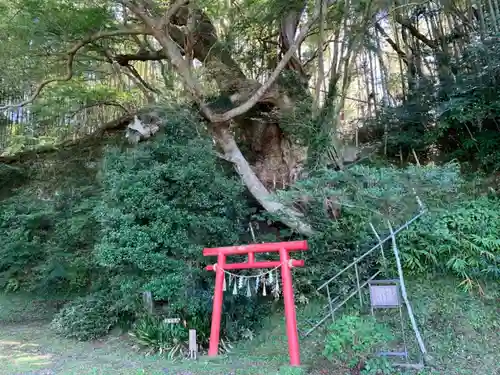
<point>71,57</point>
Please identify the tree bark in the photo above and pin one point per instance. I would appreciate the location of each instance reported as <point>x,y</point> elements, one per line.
<point>289,24</point>
<point>233,154</point>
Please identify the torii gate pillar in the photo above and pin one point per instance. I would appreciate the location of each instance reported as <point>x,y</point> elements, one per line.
<point>285,263</point>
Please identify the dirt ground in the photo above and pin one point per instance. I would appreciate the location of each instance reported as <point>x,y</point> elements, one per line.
<point>33,350</point>
<point>461,331</point>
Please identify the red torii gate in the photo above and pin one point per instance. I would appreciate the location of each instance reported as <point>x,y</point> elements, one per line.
<point>286,275</point>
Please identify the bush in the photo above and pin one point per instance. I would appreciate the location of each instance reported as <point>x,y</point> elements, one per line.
<point>162,203</point>
<point>363,194</point>
<point>457,235</point>
<point>354,341</point>
<point>86,318</point>
<point>11,177</point>
<point>462,239</point>
<point>47,242</point>
<point>458,118</point>
<point>155,335</point>
<point>139,226</point>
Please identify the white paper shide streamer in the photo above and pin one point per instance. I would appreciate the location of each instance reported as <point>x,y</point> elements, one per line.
<point>268,280</point>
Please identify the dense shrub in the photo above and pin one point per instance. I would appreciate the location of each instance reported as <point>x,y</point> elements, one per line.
<point>140,226</point>
<point>11,177</point>
<point>161,203</point>
<point>47,242</point>
<point>458,234</point>
<point>156,205</point>
<point>86,318</point>
<point>458,118</point>
<point>354,341</point>
<point>364,195</point>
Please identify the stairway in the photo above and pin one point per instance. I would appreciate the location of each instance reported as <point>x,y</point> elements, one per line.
<point>336,301</point>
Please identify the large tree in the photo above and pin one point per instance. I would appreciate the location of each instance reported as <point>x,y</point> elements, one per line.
<point>280,71</point>
<point>180,32</point>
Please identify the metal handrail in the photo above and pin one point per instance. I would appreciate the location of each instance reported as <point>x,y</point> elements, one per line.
<point>380,243</point>
<point>341,304</point>
<point>360,286</point>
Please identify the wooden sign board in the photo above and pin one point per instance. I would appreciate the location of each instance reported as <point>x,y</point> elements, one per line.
<point>384,296</point>
<point>172,320</point>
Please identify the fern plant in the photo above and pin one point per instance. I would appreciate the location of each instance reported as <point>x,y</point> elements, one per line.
<point>463,239</point>
<point>154,335</point>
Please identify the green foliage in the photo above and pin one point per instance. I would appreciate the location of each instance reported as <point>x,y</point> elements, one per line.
<point>363,194</point>
<point>354,341</point>
<point>20,143</point>
<point>457,235</point>
<point>11,176</point>
<point>36,39</point>
<point>161,203</point>
<point>86,318</point>
<point>379,193</point>
<point>37,232</point>
<point>155,335</point>
<point>299,123</point>
<point>78,95</point>
<point>142,229</point>
<point>462,239</point>
<point>248,40</point>
<point>291,371</point>
<point>457,118</point>
<point>34,32</point>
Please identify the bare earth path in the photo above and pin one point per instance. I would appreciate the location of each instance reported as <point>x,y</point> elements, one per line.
<point>32,349</point>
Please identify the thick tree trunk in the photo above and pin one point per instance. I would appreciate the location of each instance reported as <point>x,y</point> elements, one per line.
<point>254,184</point>
<point>274,156</point>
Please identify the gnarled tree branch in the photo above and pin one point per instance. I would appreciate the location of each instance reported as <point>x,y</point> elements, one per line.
<point>71,57</point>
<point>414,31</point>
<point>98,104</point>
<point>289,24</point>
<point>125,59</point>
<point>392,43</point>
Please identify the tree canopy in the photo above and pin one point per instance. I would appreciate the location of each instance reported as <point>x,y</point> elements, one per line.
<point>302,79</point>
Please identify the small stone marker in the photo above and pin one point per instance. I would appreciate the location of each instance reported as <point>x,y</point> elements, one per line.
<point>147,301</point>
<point>193,346</point>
